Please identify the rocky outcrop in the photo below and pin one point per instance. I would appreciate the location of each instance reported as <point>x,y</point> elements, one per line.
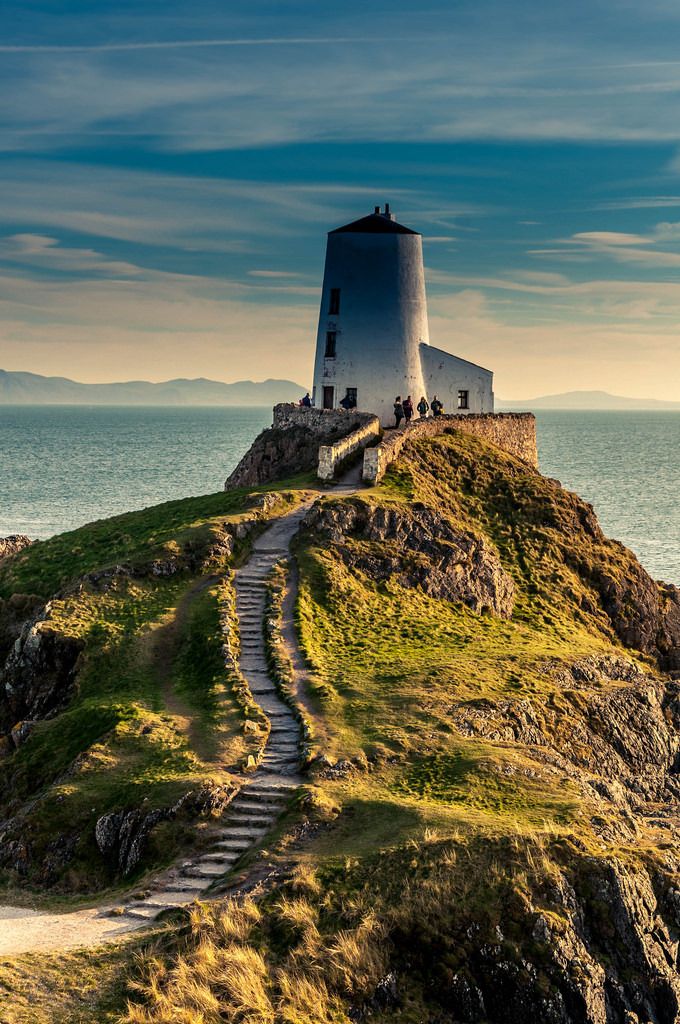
<point>291,445</point>
<point>643,613</point>
<point>620,744</point>
<point>14,614</point>
<point>596,944</point>
<point>122,836</point>
<point>418,548</point>
<point>276,454</point>
<point>38,676</point>
<point>13,544</point>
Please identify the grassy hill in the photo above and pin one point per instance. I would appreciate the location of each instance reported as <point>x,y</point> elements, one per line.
<point>147,714</point>
<point>487,830</point>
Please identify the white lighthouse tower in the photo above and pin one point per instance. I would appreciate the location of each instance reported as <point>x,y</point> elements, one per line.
<point>373,338</point>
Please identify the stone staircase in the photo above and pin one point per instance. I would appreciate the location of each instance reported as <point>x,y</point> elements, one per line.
<point>267,793</point>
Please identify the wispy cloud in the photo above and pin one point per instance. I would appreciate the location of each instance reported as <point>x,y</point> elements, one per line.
<point>352,80</point>
<point>194,44</point>
<point>45,252</point>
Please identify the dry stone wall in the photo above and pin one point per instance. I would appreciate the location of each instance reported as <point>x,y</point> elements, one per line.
<point>319,421</point>
<point>333,455</point>
<point>512,431</point>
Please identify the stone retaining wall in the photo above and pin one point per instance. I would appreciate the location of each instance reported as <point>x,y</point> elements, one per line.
<point>320,421</point>
<point>514,432</point>
<point>333,455</point>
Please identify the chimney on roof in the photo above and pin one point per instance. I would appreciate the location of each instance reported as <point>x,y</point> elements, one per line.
<point>390,216</point>
<point>376,209</point>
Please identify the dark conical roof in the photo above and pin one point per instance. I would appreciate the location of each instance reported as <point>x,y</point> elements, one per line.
<point>375,224</point>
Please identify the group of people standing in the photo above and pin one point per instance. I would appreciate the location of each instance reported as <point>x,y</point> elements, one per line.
<point>403,410</point>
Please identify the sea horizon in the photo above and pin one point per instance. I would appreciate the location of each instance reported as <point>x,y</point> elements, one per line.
<point>125,457</point>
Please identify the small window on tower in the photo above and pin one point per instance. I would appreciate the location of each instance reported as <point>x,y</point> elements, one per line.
<point>334,302</point>
<point>463,399</point>
<point>331,337</point>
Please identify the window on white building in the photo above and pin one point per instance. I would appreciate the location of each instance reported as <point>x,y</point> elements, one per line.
<point>331,337</point>
<point>334,302</point>
<point>463,399</point>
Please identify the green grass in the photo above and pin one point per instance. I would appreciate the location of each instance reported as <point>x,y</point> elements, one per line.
<point>434,842</point>
<point>152,714</point>
<point>134,537</point>
<point>394,672</point>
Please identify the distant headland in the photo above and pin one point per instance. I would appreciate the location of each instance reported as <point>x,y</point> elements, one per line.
<point>590,401</point>
<point>33,389</point>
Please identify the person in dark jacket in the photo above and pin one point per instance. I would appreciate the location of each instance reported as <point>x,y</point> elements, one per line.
<point>437,407</point>
<point>408,409</point>
<point>422,407</point>
<point>306,402</point>
<point>398,411</point>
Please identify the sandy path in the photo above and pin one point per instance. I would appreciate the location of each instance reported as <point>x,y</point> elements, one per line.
<point>31,931</point>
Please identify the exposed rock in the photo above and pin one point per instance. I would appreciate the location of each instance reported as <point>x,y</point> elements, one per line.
<point>619,744</point>
<point>39,673</point>
<point>419,548</point>
<point>277,453</point>
<point>122,836</point>
<point>291,445</point>
<point>595,944</point>
<point>14,613</point>
<point>644,614</point>
<point>13,544</point>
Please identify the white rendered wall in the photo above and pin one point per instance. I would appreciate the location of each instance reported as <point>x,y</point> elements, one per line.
<point>445,375</point>
<point>381,323</point>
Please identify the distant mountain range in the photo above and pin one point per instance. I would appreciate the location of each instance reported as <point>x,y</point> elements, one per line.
<point>585,400</point>
<point>32,389</point>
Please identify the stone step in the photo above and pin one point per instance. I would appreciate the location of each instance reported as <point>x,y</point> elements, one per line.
<point>262,820</point>
<point>277,789</point>
<point>224,857</point>
<point>165,899</point>
<point>255,806</point>
<point>207,871</point>
<point>143,913</point>
<point>240,834</point>
<point>187,884</point>
<point>229,841</point>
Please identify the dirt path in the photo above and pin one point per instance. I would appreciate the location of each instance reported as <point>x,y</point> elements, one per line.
<point>250,816</point>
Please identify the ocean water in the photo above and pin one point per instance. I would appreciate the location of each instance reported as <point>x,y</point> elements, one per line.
<point>61,466</point>
<point>627,464</point>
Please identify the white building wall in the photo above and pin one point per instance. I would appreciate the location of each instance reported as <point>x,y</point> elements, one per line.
<point>444,375</point>
<point>381,323</point>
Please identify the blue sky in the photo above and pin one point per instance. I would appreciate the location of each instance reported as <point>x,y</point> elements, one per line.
<point>168,173</point>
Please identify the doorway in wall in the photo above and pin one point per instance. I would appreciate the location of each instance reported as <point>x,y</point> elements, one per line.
<point>328,397</point>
